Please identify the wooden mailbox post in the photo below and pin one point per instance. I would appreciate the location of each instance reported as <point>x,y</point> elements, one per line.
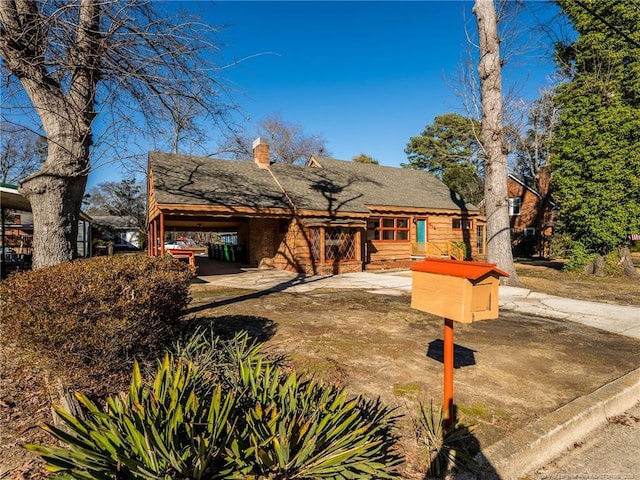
<point>458,291</point>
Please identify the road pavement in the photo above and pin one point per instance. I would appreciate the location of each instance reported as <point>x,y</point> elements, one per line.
<point>610,452</point>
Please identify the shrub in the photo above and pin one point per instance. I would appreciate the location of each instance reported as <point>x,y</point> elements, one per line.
<point>286,427</point>
<point>187,422</point>
<point>560,245</point>
<point>612,264</point>
<point>91,317</point>
<point>579,258</point>
<point>302,429</point>
<point>466,249</point>
<point>162,429</point>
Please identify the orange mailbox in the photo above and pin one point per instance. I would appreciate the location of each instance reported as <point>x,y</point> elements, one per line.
<point>458,290</point>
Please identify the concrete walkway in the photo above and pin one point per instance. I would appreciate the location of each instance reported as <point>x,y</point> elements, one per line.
<point>623,320</point>
<point>397,283</point>
<point>620,319</point>
<point>538,443</point>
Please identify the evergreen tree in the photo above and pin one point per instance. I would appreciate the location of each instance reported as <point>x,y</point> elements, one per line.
<point>364,158</point>
<point>596,150</point>
<point>449,149</point>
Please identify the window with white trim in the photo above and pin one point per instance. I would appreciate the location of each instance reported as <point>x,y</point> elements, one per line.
<point>514,205</point>
<point>529,232</point>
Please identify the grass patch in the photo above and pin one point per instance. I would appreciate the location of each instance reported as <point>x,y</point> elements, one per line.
<point>407,390</point>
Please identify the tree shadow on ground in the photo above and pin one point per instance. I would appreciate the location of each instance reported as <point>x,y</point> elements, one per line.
<point>259,329</point>
<point>299,279</point>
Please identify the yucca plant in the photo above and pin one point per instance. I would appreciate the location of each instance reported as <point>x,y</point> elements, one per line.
<point>228,413</point>
<point>444,448</point>
<point>302,429</point>
<point>162,430</point>
<point>218,361</point>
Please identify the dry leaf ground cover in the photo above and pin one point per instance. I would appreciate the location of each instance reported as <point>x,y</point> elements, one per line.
<point>509,371</point>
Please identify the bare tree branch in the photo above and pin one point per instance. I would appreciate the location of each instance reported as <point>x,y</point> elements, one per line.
<point>101,74</point>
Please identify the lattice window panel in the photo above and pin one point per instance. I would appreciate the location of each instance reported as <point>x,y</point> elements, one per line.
<point>314,238</point>
<point>339,244</point>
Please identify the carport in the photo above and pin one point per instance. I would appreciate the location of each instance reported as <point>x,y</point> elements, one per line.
<point>256,231</point>
<point>195,194</point>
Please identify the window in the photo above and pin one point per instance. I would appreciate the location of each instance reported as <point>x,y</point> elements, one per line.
<point>480,239</point>
<point>514,205</point>
<point>388,229</point>
<point>529,232</point>
<point>338,244</point>
<point>461,224</point>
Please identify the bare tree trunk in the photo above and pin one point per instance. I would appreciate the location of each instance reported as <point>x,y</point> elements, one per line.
<point>66,111</point>
<point>55,191</point>
<point>493,142</point>
<point>54,200</point>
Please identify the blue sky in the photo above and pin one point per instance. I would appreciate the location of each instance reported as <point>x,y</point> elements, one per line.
<point>365,75</point>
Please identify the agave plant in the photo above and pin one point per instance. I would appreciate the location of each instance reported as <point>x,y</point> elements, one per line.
<point>444,447</point>
<point>162,430</point>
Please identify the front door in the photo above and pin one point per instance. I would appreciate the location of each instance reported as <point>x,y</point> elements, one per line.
<point>421,231</point>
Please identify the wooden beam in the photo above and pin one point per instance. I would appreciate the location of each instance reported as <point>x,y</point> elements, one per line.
<point>162,234</point>
<point>222,210</point>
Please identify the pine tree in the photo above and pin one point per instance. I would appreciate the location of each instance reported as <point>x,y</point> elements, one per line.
<point>449,148</point>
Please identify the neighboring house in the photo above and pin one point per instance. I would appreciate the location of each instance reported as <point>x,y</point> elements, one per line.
<point>17,225</point>
<point>532,214</point>
<point>328,216</point>
<point>123,231</point>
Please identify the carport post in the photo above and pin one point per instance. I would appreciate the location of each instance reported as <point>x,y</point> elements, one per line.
<point>162,234</point>
<point>154,229</point>
<point>447,403</point>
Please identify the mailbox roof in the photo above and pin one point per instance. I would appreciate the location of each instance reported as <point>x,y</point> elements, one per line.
<point>458,268</point>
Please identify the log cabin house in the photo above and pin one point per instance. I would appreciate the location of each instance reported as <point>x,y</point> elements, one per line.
<point>328,216</point>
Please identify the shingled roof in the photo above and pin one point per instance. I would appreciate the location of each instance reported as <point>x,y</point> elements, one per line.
<point>397,187</point>
<point>184,179</point>
<point>335,187</point>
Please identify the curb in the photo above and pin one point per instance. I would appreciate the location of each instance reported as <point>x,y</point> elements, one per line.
<point>538,443</point>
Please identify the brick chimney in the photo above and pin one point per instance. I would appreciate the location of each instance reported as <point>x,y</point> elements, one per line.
<point>261,152</point>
